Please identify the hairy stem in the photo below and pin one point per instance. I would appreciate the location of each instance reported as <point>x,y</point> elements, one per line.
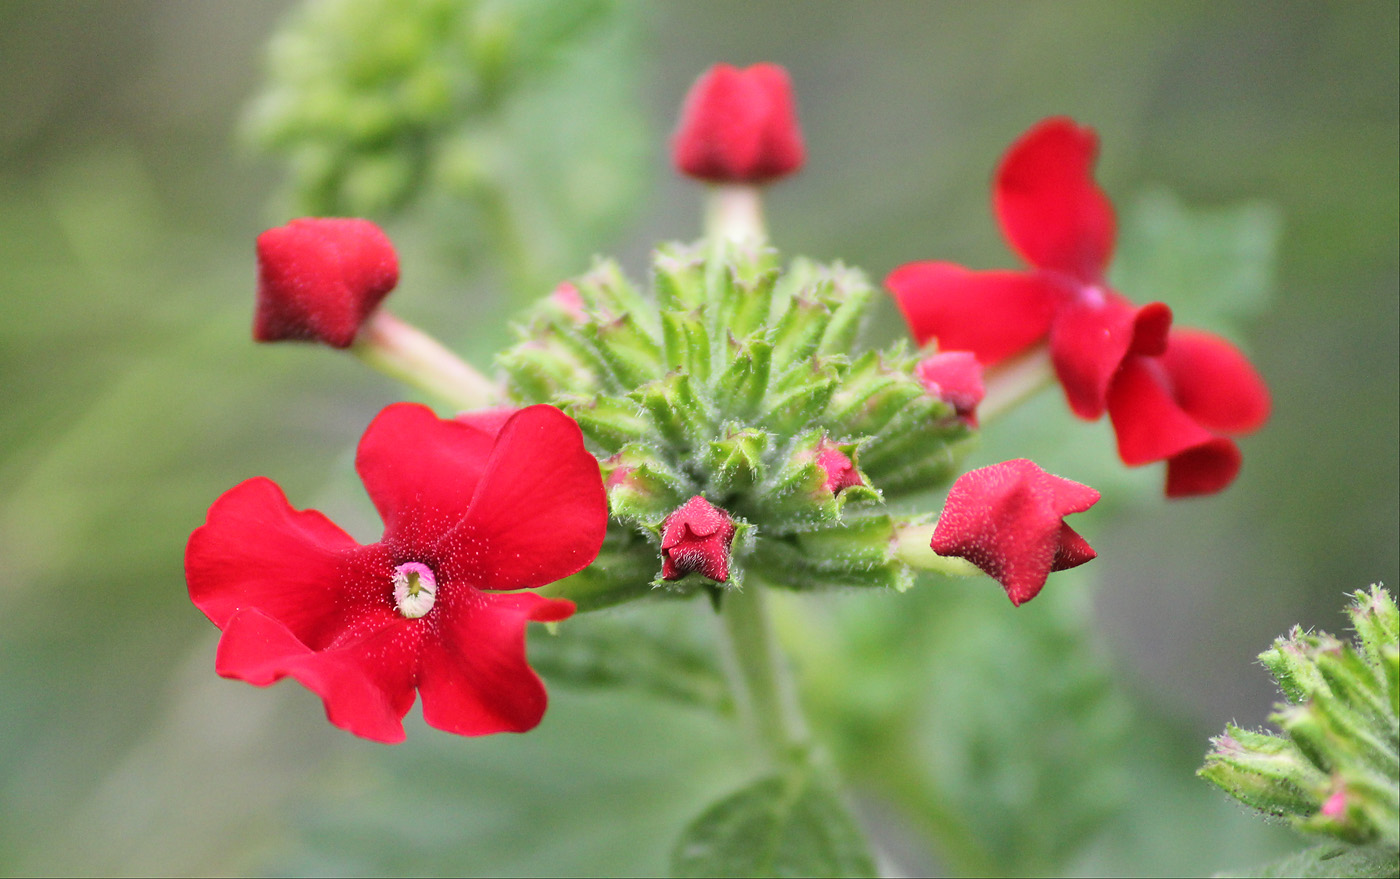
<point>763,689</point>
<point>406,353</point>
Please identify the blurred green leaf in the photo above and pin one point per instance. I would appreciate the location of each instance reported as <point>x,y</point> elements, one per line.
<point>654,647</point>
<point>511,129</point>
<point>786,825</point>
<point>1213,265</point>
<point>1326,862</point>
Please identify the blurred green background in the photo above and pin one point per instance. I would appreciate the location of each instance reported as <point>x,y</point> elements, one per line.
<point>1062,735</point>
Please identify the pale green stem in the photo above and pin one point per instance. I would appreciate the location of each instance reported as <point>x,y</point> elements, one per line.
<point>734,212</point>
<point>911,546</point>
<point>406,353</point>
<point>764,692</point>
<point>1013,381</point>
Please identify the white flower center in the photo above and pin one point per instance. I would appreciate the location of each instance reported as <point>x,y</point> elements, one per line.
<point>415,589</point>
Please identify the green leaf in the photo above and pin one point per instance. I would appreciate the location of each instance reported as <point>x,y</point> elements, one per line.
<point>1213,266</point>
<point>1325,862</point>
<point>778,826</point>
<point>656,648</point>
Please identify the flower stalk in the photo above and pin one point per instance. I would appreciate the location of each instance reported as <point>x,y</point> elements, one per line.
<point>762,684</point>
<point>404,352</point>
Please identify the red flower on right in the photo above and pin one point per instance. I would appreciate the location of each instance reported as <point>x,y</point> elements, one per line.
<point>1172,395</point>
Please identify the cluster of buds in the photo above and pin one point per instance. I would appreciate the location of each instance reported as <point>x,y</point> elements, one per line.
<point>1336,771</point>
<point>725,430</point>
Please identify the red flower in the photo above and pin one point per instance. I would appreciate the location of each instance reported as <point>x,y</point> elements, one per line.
<point>955,377</point>
<point>739,126</point>
<point>1008,520</point>
<point>1174,408</point>
<point>474,511</point>
<point>696,538</point>
<point>319,279</point>
<point>840,471</point>
<point>1169,394</point>
<point>1054,215</point>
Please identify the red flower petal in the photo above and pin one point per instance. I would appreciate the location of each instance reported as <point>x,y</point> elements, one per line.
<point>540,510</point>
<point>475,679</point>
<point>1089,337</point>
<point>1008,520</point>
<point>1051,210</point>
<point>319,278</point>
<point>739,126</point>
<point>1150,426</point>
<point>421,472</point>
<point>256,551</point>
<point>1214,383</point>
<point>1204,469</point>
<point>992,314</point>
<point>366,680</point>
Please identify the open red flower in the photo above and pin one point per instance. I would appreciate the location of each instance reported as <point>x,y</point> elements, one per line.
<point>1182,406</point>
<point>739,126</point>
<point>696,539</point>
<point>1055,216</point>
<point>320,278</point>
<point>1008,520</point>
<point>474,510</point>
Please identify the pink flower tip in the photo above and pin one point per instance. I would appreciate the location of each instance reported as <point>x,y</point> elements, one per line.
<point>1336,805</point>
<point>955,377</point>
<point>696,539</point>
<point>840,471</point>
<point>1008,520</point>
<point>320,278</point>
<point>739,126</point>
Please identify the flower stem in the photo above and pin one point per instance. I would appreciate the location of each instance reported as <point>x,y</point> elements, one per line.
<point>911,546</point>
<point>404,352</point>
<point>734,212</point>
<point>1013,381</point>
<point>763,688</point>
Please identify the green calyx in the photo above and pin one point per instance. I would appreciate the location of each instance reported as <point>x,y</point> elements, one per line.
<point>1336,769</point>
<point>729,381</point>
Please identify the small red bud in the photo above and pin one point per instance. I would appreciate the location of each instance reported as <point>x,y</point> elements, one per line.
<point>696,538</point>
<point>739,126</point>
<point>840,472</point>
<point>955,377</point>
<point>320,278</point>
<point>1008,520</point>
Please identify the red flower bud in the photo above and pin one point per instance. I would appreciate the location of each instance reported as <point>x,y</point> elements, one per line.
<point>319,279</point>
<point>840,472</point>
<point>739,126</point>
<point>955,377</point>
<point>696,537</point>
<point>1008,520</point>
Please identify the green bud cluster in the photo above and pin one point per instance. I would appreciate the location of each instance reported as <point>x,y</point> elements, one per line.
<point>726,381</point>
<point>1336,770</point>
<point>374,99</point>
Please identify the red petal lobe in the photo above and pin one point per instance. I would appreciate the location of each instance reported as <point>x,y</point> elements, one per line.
<point>421,472</point>
<point>995,315</point>
<point>366,685</point>
<point>540,510</point>
<point>475,679</point>
<point>1051,210</point>
<point>1214,383</point>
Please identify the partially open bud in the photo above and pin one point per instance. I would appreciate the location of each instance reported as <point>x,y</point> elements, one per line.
<point>840,471</point>
<point>739,126</point>
<point>320,278</point>
<point>1008,520</point>
<point>955,377</point>
<point>696,539</point>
